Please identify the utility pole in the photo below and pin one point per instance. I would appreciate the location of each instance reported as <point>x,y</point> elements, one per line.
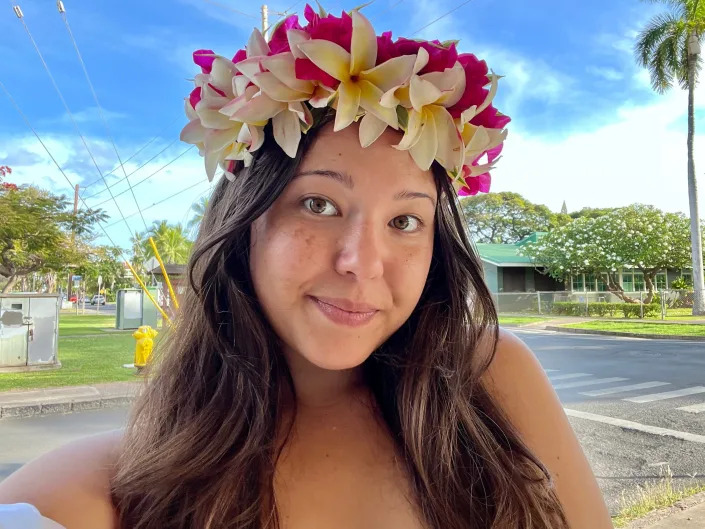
<point>265,19</point>
<point>73,240</point>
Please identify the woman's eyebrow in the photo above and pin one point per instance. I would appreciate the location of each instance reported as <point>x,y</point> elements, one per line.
<point>410,195</point>
<point>343,178</point>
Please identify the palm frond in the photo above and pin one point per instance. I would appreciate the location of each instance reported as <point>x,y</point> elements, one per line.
<point>678,7</point>
<point>651,37</point>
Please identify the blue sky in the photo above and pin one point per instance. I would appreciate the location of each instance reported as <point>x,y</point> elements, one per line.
<point>586,126</point>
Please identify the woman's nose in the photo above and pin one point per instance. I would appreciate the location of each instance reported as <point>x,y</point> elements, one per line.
<point>360,252</point>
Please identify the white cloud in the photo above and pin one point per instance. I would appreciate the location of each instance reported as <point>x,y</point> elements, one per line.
<point>605,72</point>
<point>639,157</point>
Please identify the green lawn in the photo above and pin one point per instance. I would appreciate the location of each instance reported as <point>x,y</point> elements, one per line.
<point>519,320</point>
<point>87,353</point>
<point>667,329</point>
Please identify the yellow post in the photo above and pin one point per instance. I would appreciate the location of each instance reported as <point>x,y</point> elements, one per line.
<point>151,298</point>
<point>166,276</point>
<point>145,343</point>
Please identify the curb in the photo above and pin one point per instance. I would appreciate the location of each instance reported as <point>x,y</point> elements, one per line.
<point>626,334</point>
<point>31,403</point>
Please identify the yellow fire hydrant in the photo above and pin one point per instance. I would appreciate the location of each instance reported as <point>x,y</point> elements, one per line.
<point>145,342</point>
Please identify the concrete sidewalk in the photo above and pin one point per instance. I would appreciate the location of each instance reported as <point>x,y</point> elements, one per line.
<point>28,403</point>
<point>685,514</point>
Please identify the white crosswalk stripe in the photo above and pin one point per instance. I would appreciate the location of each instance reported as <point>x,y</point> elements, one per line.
<point>652,397</point>
<point>581,383</point>
<point>568,376</point>
<point>694,408</point>
<point>623,389</point>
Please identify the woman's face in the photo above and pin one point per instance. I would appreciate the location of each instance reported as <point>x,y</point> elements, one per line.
<point>340,259</point>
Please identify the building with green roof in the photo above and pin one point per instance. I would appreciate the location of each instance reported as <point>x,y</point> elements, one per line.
<point>507,271</point>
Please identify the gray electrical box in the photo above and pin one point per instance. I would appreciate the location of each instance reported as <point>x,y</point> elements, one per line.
<point>134,308</point>
<point>29,330</point>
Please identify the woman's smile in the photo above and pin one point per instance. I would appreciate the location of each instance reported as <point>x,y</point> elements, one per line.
<point>345,312</point>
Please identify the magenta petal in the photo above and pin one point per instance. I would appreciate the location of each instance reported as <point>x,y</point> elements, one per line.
<point>279,43</point>
<point>217,90</point>
<point>307,71</point>
<point>195,96</point>
<point>204,59</point>
<point>241,55</point>
<point>490,118</point>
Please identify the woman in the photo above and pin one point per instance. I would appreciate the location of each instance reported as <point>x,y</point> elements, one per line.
<point>337,362</point>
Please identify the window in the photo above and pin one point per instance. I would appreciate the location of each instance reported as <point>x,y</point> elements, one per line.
<point>590,282</point>
<point>639,284</point>
<point>602,283</point>
<point>578,283</point>
<point>628,281</point>
<point>661,281</point>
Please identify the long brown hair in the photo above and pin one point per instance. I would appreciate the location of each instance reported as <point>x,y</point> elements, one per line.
<point>201,446</point>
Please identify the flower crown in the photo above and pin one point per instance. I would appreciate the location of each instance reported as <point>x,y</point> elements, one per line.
<point>437,97</point>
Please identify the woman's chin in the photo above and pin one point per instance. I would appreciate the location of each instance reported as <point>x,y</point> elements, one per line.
<point>335,358</point>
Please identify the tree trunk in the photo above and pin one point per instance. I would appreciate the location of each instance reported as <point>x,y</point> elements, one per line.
<point>649,278</point>
<point>615,288</point>
<point>10,283</point>
<point>695,232</point>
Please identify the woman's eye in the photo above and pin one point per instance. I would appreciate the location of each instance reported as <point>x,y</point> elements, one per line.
<point>320,206</point>
<point>406,223</point>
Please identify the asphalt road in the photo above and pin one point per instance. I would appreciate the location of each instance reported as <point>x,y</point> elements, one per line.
<point>617,434</point>
<point>108,309</point>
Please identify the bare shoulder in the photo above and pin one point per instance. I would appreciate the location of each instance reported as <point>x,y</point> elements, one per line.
<point>521,389</point>
<point>70,485</point>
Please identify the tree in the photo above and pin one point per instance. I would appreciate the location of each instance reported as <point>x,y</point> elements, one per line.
<point>638,236</point>
<point>171,240</point>
<point>669,47</point>
<point>591,213</point>
<point>199,211</point>
<point>106,262</point>
<point>507,217</point>
<point>35,232</point>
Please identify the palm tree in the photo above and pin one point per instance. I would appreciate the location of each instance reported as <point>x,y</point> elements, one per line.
<point>171,240</point>
<point>669,47</point>
<point>199,210</point>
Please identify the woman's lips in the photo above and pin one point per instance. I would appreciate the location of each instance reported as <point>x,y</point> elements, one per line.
<point>345,312</point>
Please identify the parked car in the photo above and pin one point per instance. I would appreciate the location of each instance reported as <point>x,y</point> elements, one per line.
<point>98,298</point>
<point>73,299</point>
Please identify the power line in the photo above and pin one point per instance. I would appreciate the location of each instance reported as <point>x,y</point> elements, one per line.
<point>147,177</point>
<point>159,134</point>
<point>133,172</point>
<point>62,11</point>
<point>440,17</point>
<point>20,16</point>
<point>58,166</point>
<point>200,182</point>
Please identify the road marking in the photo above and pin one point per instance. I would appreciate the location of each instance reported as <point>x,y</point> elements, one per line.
<point>570,375</point>
<point>667,395</point>
<point>629,425</point>
<point>581,383</point>
<point>695,408</point>
<point>621,389</point>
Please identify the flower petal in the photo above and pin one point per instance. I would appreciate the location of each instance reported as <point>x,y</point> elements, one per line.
<point>363,47</point>
<point>250,67</point>
<point>213,119</point>
<point>321,97</point>
<point>451,152</point>
<point>190,110</point>
<point>424,150</point>
<point>329,57</point>
<point>193,132</point>
<point>493,91</point>
<point>422,93</point>
<point>222,73</point>
<point>257,45</point>
<point>348,105</point>
<point>217,140</point>
<point>394,72</point>
<point>296,37</point>
<point>277,90</point>
<point>259,110</point>
<point>451,82</point>
<point>303,113</point>
<point>370,97</point>
<point>421,60</point>
<point>287,132</point>
<point>371,128</point>
<point>413,131</point>
<point>282,65</point>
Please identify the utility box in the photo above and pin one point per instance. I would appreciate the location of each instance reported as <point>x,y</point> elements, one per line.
<point>29,331</point>
<point>134,308</point>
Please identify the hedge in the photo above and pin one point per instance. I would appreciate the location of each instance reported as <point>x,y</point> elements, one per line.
<point>602,309</point>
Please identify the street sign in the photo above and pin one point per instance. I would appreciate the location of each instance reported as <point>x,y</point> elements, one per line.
<point>76,278</point>
<point>100,281</point>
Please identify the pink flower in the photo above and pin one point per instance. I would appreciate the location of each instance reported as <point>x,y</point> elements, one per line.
<point>475,184</point>
<point>439,57</point>
<point>475,81</point>
<point>279,42</point>
<point>386,49</point>
<point>204,59</point>
<point>491,118</point>
<point>331,28</point>
<point>241,55</point>
<point>307,71</point>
